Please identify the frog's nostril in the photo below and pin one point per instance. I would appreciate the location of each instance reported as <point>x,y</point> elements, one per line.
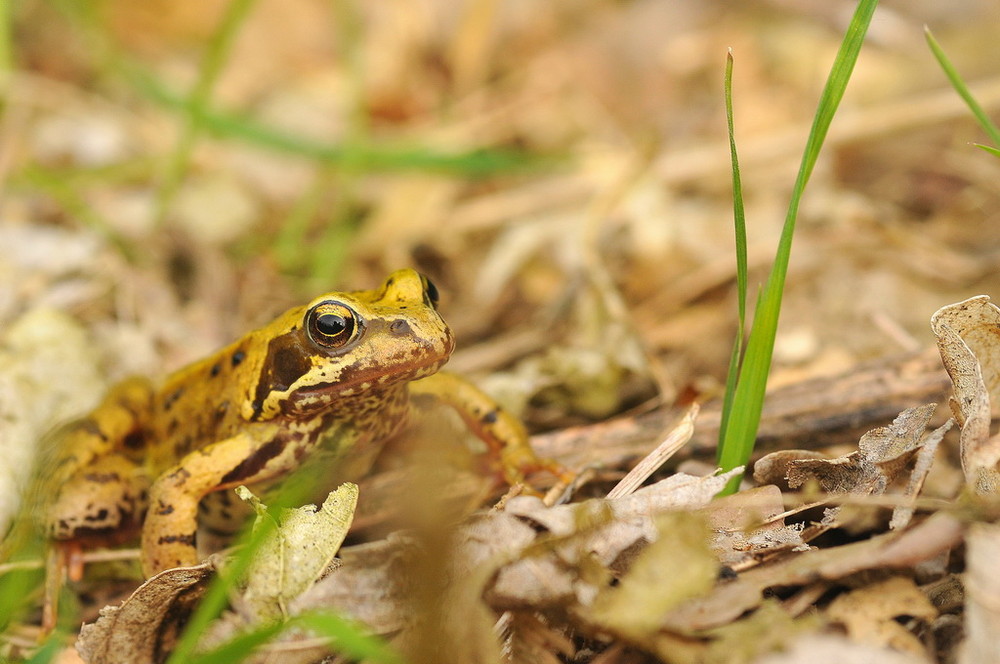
<point>400,327</point>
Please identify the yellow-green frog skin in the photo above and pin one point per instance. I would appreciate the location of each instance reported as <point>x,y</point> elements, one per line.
<point>340,370</point>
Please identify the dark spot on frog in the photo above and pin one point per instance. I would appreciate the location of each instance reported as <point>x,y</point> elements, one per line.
<point>216,368</point>
<point>101,515</point>
<point>238,357</point>
<point>189,539</point>
<point>399,327</point>
<point>172,399</point>
<point>165,509</point>
<point>226,515</point>
<point>254,463</point>
<point>134,440</point>
<point>184,445</point>
<point>285,362</point>
<point>179,476</point>
<point>172,426</point>
<point>489,418</point>
<point>220,411</point>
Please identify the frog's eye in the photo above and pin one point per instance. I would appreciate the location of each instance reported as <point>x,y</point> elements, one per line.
<point>331,324</point>
<point>430,291</point>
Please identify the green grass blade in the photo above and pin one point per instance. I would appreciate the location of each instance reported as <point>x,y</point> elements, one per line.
<point>349,638</point>
<point>218,51</point>
<point>6,41</point>
<point>962,89</point>
<point>239,647</point>
<point>358,157</point>
<point>744,418</point>
<point>992,150</point>
<point>740,229</point>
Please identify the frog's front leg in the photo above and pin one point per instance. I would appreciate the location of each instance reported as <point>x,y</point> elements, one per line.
<point>499,429</point>
<point>170,531</point>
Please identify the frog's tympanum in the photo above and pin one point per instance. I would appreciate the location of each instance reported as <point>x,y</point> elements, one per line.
<point>339,371</point>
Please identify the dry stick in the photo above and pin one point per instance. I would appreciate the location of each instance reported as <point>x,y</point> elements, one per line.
<point>675,440</point>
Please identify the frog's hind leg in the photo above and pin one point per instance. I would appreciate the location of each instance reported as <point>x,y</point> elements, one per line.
<point>102,501</point>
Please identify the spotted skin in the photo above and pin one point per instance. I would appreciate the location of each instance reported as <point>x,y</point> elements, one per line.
<point>337,371</point>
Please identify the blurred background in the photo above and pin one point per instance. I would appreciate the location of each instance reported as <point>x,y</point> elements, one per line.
<point>174,173</point>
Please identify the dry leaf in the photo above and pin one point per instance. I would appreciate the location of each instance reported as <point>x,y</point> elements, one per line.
<point>975,319</point>
<point>371,584</point>
<point>894,550</point>
<point>744,526</point>
<point>144,629</point>
<point>982,589</point>
<point>677,566</point>
<point>902,514</point>
<point>301,547</point>
<point>768,628</point>
<point>869,614</point>
<point>831,649</point>
<point>882,454</point>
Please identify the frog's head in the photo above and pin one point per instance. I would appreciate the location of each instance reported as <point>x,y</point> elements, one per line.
<point>344,345</point>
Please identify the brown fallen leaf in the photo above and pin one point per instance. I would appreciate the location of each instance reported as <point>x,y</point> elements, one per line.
<point>869,614</point>
<point>882,455</point>
<point>677,566</point>
<point>145,628</point>
<point>745,527</point>
<point>893,550</point>
<point>982,588</point>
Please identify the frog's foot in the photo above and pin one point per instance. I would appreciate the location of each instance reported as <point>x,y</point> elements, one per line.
<point>518,462</point>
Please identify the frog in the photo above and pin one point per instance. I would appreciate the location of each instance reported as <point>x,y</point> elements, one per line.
<point>343,372</point>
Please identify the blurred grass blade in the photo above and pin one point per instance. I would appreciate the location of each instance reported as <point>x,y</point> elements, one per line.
<point>354,156</point>
<point>219,47</point>
<point>992,150</point>
<point>349,638</point>
<point>6,41</point>
<point>239,647</point>
<point>740,229</point>
<point>962,89</point>
<point>748,401</point>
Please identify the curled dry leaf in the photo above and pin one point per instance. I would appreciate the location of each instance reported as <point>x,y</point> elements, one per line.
<point>296,553</point>
<point>967,338</point>
<point>882,454</point>
<point>145,628</point>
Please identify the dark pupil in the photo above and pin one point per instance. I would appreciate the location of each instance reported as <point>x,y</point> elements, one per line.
<point>331,324</point>
<point>432,291</point>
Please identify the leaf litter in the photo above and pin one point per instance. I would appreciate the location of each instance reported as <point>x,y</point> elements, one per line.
<point>757,532</point>
<point>666,570</point>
